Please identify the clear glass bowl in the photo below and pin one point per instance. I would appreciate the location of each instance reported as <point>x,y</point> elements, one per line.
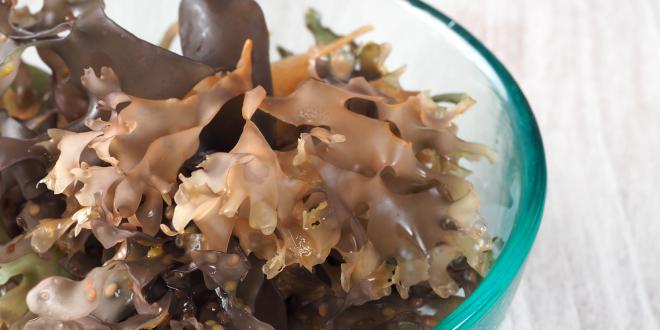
<point>441,57</point>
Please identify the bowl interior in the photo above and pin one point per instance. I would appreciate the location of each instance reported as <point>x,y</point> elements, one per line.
<point>436,59</point>
<point>442,57</point>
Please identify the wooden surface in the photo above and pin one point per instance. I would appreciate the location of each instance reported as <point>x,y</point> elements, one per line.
<point>591,71</point>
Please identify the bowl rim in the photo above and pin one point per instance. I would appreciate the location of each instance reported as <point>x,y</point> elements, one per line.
<point>510,262</point>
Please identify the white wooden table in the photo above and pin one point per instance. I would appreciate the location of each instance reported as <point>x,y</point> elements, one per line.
<point>591,71</point>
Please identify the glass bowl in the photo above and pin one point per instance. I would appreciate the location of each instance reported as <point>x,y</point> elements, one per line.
<point>441,57</point>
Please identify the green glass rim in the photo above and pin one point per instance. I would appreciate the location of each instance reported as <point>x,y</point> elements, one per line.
<point>534,179</point>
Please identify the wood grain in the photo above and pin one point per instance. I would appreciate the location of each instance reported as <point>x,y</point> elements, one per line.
<point>591,71</point>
